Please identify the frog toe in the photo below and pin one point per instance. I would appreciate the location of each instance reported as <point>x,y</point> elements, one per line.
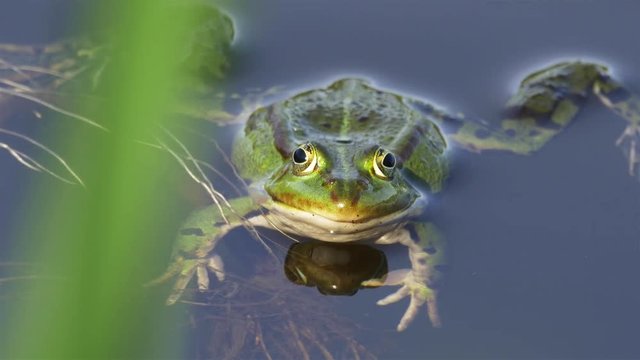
<point>170,273</point>
<point>629,142</point>
<point>216,266</point>
<point>410,314</point>
<point>213,264</point>
<point>432,311</point>
<point>185,269</point>
<point>395,297</point>
<point>188,270</point>
<point>202,275</point>
<point>420,294</point>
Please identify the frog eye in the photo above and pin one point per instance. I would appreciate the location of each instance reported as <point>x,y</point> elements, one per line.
<point>304,159</point>
<point>384,163</point>
<point>300,156</point>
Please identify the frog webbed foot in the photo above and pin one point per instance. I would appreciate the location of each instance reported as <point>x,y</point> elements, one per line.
<point>420,294</point>
<point>194,250</point>
<point>185,269</point>
<point>629,142</point>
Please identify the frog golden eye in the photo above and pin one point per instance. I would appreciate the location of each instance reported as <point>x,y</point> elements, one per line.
<point>384,163</point>
<point>304,159</point>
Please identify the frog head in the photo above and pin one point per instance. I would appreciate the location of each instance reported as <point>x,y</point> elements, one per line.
<point>342,182</point>
<point>344,152</point>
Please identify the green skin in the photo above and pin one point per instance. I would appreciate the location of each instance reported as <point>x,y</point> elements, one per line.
<point>340,188</point>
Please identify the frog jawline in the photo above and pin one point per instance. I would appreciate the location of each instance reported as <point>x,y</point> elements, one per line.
<point>303,223</point>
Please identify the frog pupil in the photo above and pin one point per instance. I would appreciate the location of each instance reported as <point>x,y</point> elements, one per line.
<point>299,156</point>
<point>389,160</point>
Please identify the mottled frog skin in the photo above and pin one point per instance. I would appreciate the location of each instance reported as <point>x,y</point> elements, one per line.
<point>350,162</point>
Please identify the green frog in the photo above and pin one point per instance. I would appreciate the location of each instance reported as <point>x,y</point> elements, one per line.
<point>353,163</point>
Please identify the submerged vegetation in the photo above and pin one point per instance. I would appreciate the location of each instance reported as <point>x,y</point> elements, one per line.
<point>39,75</point>
<point>71,73</point>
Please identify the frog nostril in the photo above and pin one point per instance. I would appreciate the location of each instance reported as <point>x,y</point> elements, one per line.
<point>329,181</point>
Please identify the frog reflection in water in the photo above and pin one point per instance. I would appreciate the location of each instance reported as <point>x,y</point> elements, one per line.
<point>345,163</point>
<point>335,269</point>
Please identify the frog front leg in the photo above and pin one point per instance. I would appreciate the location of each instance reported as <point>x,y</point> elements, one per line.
<point>427,256</point>
<point>193,252</point>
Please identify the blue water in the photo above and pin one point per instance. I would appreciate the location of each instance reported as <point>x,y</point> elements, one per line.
<point>545,249</point>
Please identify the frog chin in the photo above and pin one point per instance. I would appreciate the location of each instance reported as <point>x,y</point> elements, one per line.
<point>329,227</point>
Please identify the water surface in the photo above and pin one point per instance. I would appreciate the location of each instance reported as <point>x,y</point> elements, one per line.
<point>545,249</point>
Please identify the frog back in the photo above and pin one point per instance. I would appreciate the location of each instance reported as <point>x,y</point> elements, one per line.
<point>345,118</point>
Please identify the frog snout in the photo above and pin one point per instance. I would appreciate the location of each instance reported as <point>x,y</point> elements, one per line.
<point>346,192</point>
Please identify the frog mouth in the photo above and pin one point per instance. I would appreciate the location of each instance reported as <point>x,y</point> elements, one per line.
<point>347,216</point>
<point>327,227</point>
<point>345,209</point>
